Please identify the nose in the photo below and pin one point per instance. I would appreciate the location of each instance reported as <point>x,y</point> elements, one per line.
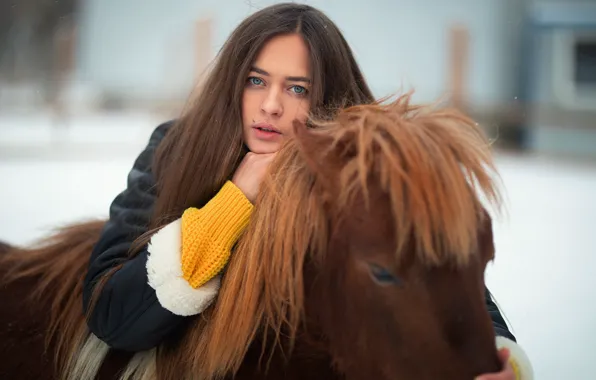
<point>272,104</point>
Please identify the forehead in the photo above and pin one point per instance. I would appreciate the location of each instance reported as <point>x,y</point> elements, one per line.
<point>285,55</point>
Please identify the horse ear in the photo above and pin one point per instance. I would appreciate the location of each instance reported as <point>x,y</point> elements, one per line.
<point>316,148</point>
<point>486,239</point>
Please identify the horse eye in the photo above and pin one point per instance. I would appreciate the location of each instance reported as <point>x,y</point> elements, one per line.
<point>382,275</point>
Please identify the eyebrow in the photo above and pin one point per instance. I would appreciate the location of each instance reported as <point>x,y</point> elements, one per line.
<point>291,78</point>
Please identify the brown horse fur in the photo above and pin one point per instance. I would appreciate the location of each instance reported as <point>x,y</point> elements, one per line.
<point>391,186</point>
<point>42,296</point>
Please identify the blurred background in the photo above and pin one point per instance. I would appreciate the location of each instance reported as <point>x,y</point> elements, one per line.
<point>84,82</point>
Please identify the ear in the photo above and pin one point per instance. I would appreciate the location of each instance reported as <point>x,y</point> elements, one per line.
<point>318,152</point>
<point>485,237</point>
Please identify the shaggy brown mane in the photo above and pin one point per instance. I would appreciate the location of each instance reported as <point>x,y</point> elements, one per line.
<point>272,252</point>
<point>59,263</point>
<point>434,164</point>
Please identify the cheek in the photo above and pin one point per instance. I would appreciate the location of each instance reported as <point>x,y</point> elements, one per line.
<point>250,105</point>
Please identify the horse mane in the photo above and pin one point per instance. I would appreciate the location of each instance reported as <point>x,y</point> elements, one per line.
<point>286,224</point>
<point>434,164</point>
<point>59,262</point>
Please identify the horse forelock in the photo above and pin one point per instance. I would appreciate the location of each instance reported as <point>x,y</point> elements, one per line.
<point>434,164</point>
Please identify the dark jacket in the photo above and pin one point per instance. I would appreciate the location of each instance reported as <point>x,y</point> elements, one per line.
<point>127,314</point>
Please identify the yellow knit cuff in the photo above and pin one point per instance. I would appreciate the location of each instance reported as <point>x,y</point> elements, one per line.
<point>209,233</point>
<point>516,368</point>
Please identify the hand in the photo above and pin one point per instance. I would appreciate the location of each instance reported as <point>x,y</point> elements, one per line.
<point>507,371</point>
<point>251,172</point>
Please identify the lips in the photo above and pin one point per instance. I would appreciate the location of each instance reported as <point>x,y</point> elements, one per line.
<point>266,128</point>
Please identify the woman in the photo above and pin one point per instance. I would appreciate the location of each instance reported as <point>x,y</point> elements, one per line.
<point>200,175</point>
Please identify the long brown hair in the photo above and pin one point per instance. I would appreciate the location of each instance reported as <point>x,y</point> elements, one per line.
<point>204,147</point>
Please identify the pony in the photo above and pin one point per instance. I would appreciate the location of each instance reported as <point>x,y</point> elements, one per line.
<point>364,258</point>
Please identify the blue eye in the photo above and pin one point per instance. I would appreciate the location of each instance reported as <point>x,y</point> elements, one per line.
<point>299,90</point>
<point>382,276</point>
<point>255,81</point>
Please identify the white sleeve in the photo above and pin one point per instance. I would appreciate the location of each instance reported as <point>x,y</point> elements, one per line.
<point>164,270</point>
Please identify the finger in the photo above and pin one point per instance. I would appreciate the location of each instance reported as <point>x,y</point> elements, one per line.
<point>264,156</point>
<point>270,156</point>
<point>504,355</point>
<point>493,376</point>
<point>487,377</point>
<point>506,373</point>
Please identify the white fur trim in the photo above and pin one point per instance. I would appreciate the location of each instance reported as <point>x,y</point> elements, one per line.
<point>518,356</point>
<point>164,270</point>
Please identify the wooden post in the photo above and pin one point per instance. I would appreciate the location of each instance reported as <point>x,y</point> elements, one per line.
<point>203,41</point>
<point>63,65</point>
<point>459,39</point>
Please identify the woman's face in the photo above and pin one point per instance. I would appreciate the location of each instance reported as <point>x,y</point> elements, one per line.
<point>277,92</point>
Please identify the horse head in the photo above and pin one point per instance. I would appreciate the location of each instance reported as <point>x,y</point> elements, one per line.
<point>398,290</point>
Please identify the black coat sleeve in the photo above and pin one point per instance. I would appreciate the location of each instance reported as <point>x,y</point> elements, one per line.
<point>127,315</point>
<point>498,321</point>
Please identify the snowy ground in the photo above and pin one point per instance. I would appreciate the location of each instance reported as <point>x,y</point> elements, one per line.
<point>543,277</point>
